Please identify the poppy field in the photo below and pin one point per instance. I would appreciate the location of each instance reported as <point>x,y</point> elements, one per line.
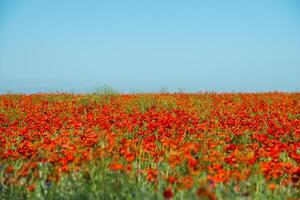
<point>150,146</point>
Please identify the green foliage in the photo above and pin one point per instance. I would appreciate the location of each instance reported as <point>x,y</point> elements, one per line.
<point>96,181</point>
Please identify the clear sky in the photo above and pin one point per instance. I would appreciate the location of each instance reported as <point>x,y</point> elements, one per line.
<point>195,45</point>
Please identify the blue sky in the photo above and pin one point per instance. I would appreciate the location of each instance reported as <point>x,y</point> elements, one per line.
<point>222,46</point>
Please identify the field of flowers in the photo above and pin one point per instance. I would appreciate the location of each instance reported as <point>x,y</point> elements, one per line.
<point>150,146</point>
